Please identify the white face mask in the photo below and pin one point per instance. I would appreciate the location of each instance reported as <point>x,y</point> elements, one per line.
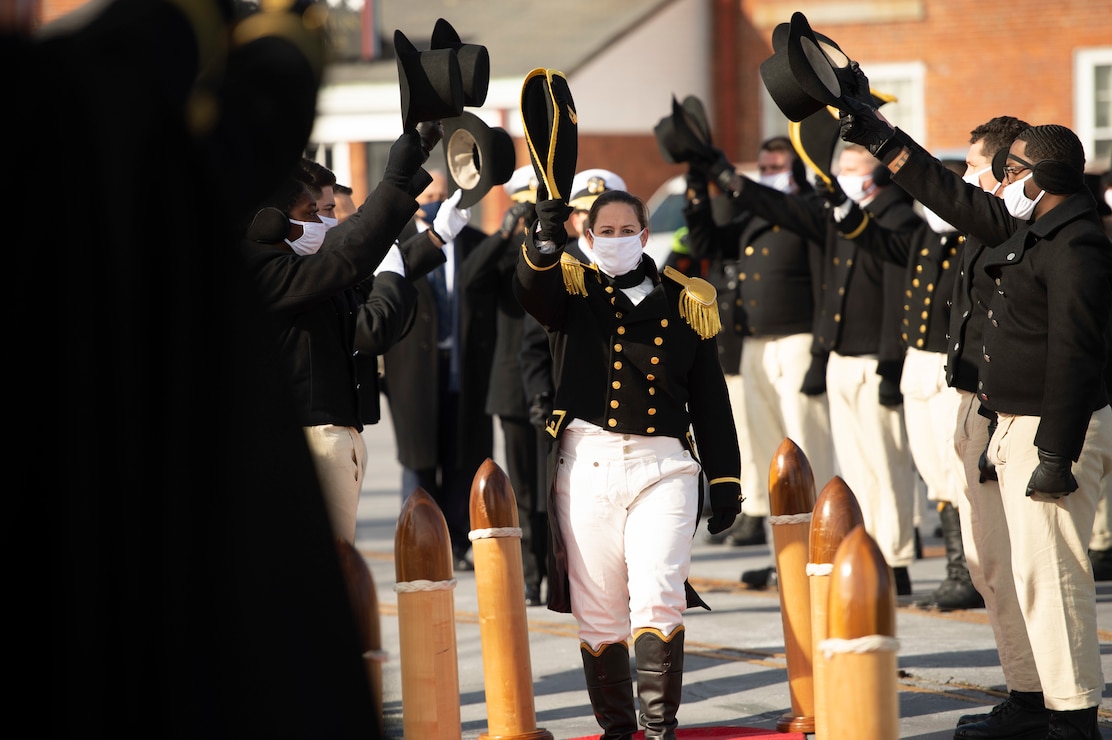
<point>854,186</point>
<point>1019,205</point>
<point>936,223</point>
<point>974,178</point>
<point>311,238</point>
<point>781,181</point>
<point>328,222</point>
<point>1108,196</point>
<point>617,255</point>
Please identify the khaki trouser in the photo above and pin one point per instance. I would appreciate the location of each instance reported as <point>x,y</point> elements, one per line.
<point>339,455</point>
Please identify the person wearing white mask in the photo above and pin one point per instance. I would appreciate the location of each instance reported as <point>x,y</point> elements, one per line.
<point>1042,364</point>
<point>767,293</point>
<point>332,306</point>
<point>637,365</point>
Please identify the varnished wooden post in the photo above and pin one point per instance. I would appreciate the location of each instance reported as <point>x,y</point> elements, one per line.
<point>426,621</point>
<point>860,650</point>
<point>791,498</point>
<point>364,603</point>
<point>503,627</point>
<point>835,516</point>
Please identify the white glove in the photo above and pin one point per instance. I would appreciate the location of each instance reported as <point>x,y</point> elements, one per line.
<point>392,262</point>
<point>450,220</point>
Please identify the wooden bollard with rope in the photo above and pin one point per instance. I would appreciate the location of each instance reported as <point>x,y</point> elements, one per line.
<point>364,604</point>
<point>791,498</point>
<point>836,514</point>
<point>426,621</point>
<point>860,649</point>
<point>503,627</point>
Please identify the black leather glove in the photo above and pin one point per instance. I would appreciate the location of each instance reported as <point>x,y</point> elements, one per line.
<point>1053,477</point>
<point>830,191</point>
<point>889,392</point>
<point>696,180</point>
<point>715,167</point>
<point>725,505</point>
<point>431,132</point>
<point>405,160</point>
<point>862,124</point>
<point>516,216</point>
<point>814,381</point>
<point>988,470</point>
<point>551,216</point>
<point>540,408</point>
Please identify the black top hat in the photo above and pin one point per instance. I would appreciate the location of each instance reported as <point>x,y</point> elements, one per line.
<point>430,81</point>
<point>808,71</point>
<point>474,62</point>
<point>479,157</point>
<point>685,134</point>
<point>551,130</point>
<point>816,137</point>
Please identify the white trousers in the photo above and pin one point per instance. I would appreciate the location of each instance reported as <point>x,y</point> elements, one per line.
<point>870,447</point>
<point>772,370</point>
<point>1050,563</point>
<point>930,407</point>
<point>626,505</point>
<point>339,455</point>
<point>988,551</point>
<point>754,480</point>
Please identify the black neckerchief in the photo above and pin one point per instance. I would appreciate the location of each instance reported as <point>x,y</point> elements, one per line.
<point>631,279</point>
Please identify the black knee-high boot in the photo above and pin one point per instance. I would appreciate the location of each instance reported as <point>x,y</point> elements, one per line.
<point>610,688</point>
<point>659,681</point>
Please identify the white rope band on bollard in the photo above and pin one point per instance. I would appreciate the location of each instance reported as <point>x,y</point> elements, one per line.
<point>409,587</point>
<point>483,534</point>
<point>820,569</point>
<point>378,656</point>
<point>790,519</point>
<point>867,644</point>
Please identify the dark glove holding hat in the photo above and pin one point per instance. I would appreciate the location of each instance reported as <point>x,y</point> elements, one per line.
<point>718,169</point>
<point>1053,477</point>
<point>540,408</point>
<point>404,162</point>
<point>862,124</point>
<point>725,505</point>
<point>551,216</point>
<point>517,216</point>
<point>889,393</point>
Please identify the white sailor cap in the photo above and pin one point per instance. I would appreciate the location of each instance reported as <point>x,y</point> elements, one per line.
<point>522,185</point>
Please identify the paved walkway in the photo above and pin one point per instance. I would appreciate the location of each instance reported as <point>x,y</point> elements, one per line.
<point>735,673</point>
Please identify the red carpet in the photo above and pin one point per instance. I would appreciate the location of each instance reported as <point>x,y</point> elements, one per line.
<point>720,733</point>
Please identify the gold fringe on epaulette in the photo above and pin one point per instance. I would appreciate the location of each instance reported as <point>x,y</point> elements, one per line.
<point>698,303</point>
<point>573,275</point>
<point>703,318</point>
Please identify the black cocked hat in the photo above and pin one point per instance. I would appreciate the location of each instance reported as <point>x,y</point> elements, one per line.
<point>551,130</point>
<point>684,135</point>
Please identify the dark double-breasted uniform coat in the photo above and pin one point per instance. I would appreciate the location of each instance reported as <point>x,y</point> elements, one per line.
<point>641,370</point>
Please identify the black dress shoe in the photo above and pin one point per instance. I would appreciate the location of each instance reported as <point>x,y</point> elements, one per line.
<point>532,595</point>
<point>1032,698</point>
<point>760,578</point>
<point>1078,724</point>
<point>1021,717</point>
<point>749,530</point>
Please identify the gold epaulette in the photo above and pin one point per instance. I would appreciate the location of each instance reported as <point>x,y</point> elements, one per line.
<point>573,274</point>
<point>698,303</point>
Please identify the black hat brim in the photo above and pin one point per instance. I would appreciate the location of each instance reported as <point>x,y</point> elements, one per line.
<point>478,156</point>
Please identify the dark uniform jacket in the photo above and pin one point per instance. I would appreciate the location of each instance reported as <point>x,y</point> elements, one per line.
<point>315,303</point>
<point>763,275</point>
<point>1045,340</point>
<point>861,305</point>
<point>412,374</point>
<point>629,369</point>
<point>931,261</point>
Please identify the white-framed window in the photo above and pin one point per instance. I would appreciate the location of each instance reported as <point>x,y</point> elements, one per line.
<point>1092,105</point>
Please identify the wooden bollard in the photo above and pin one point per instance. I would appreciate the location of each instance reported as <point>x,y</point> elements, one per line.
<point>791,498</point>
<point>503,627</point>
<point>426,621</point>
<point>364,604</point>
<point>836,514</point>
<point>860,650</point>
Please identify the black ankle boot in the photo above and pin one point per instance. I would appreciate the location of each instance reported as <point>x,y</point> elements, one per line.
<point>1079,724</point>
<point>956,591</point>
<point>610,688</point>
<point>659,681</point>
<point>1021,716</point>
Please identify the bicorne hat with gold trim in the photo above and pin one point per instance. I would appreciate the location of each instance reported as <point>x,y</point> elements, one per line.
<point>551,130</point>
